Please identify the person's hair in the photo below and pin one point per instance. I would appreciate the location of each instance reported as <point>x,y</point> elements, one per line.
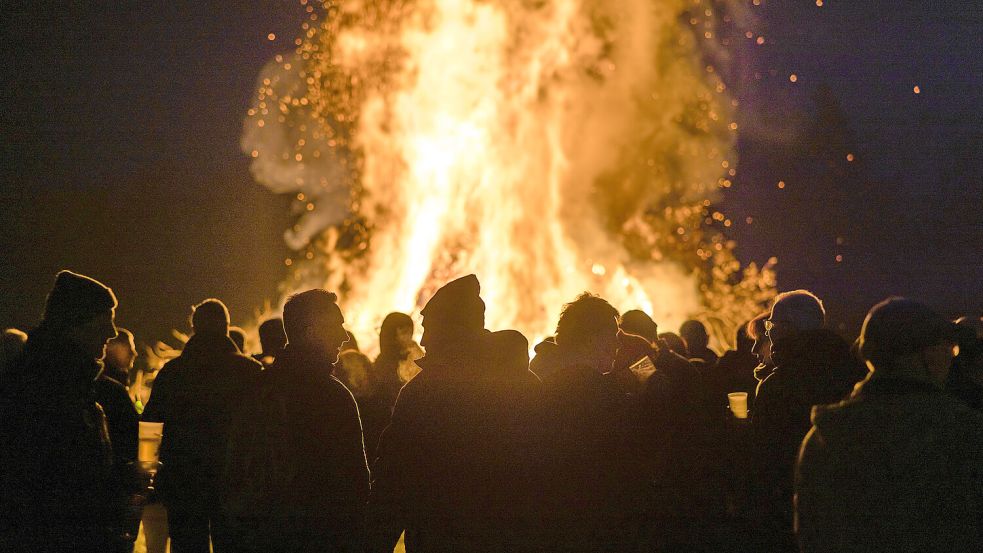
<point>305,309</point>
<point>801,308</point>
<point>639,323</point>
<point>675,342</point>
<point>271,335</point>
<point>756,327</point>
<point>695,334</point>
<point>742,340</point>
<point>238,336</point>
<point>583,318</point>
<point>388,335</point>
<point>210,317</point>
<point>123,337</point>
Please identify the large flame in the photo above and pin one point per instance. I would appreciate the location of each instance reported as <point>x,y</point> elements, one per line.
<point>529,142</point>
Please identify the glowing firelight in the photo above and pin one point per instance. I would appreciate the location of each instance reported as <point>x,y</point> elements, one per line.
<point>550,147</point>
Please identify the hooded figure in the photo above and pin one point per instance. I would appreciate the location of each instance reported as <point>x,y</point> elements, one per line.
<point>896,467</point>
<point>61,490</point>
<point>455,466</point>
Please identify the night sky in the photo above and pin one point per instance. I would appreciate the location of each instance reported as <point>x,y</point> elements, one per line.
<point>120,146</point>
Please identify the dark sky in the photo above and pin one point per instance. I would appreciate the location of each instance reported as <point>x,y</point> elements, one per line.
<point>120,134</point>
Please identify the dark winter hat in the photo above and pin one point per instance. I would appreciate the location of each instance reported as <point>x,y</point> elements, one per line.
<point>900,326</point>
<point>76,298</point>
<point>457,303</point>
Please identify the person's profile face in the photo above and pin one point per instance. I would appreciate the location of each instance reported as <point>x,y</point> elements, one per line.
<point>91,336</point>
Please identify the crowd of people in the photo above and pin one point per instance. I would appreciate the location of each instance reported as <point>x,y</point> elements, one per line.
<point>613,437</point>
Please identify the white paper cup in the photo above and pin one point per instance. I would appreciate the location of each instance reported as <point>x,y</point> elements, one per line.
<point>738,404</point>
<point>148,449</point>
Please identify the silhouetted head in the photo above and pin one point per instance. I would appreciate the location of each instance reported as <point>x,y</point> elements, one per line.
<point>121,352</point>
<point>454,314</point>
<point>631,349</point>
<point>695,335</point>
<point>507,351</point>
<point>11,344</point>
<point>762,344</point>
<point>238,337</point>
<point>794,312</point>
<point>587,332</point>
<point>81,310</point>
<point>903,336</point>
<point>396,334</point>
<point>675,342</point>
<point>271,336</point>
<point>640,324</point>
<point>313,322</point>
<point>210,318</point>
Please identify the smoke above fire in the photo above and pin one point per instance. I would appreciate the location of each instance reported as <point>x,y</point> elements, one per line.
<point>551,147</point>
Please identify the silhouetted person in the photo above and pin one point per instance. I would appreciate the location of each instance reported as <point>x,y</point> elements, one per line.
<point>680,456</point>
<point>121,352</point>
<point>111,393</point>
<point>697,339</point>
<point>308,430</point>
<point>966,377</point>
<point>594,500</point>
<point>640,324</point>
<point>675,343</point>
<point>395,365</point>
<point>896,467</point>
<point>271,340</point>
<point>61,490</point>
<point>238,337</point>
<point>196,396</point>
<point>454,466</point>
<point>812,366</point>
<point>11,345</point>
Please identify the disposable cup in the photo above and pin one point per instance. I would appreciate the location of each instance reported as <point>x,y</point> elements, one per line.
<point>149,444</point>
<point>738,404</point>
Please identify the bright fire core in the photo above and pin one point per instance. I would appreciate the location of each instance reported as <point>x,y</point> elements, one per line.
<point>550,147</point>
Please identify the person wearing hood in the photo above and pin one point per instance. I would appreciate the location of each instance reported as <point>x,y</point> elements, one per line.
<point>455,463</point>
<point>813,366</point>
<point>897,466</point>
<point>196,396</point>
<point>61,488</point>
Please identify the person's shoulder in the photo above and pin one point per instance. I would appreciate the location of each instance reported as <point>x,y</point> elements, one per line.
<point>245,362</point>
<point>108,385</point>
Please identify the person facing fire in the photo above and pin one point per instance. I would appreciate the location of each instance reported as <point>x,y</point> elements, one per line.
<point>454,462</point>
<point>195,396</point>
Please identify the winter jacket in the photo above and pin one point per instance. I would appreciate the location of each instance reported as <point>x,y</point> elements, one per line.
<point>457,466</point>
<point>811,368</point>
<point>308,425</point>
<point>197,396</point>
<point>898,467</point>
<point>59,487</point>
<point>121,417</point>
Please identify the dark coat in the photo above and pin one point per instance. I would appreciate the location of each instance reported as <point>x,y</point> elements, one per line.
<point>594,498</point>
<point>895,468</point>
<point>457,464</point>
<point>811,368</point>
<point>312,429</point>
<point>121,416</point>
<point>196,396</point>
<point>60,488</point>
<point>678,441</point>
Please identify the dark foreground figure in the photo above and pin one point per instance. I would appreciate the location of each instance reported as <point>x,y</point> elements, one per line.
<point>61,489</point>
<point>196,397</point>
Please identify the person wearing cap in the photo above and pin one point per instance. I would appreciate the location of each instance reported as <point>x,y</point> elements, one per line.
<point>453,468</point>
<point>898,466</point>
<point>813,365</point>
<point>61,490</point>
<point>196,395</point>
